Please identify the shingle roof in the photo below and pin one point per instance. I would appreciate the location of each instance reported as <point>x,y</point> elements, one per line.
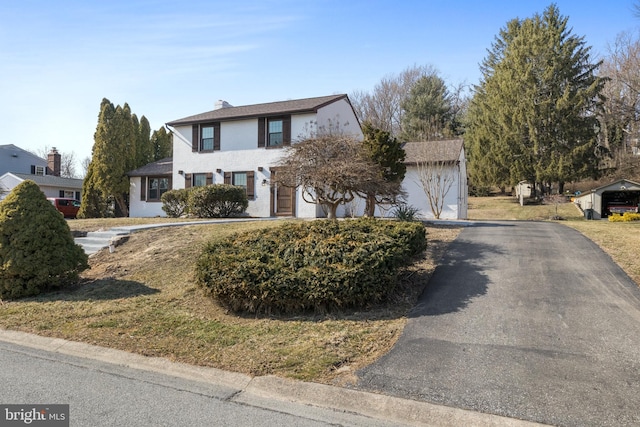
<point>447,151</point>
<point>51,180</point>
<point>158,168</point>
<point>269,109</point>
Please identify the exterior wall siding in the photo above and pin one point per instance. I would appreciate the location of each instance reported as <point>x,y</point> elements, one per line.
<point>417,198</point>
<point>239,152</point>
<point>139,208</point>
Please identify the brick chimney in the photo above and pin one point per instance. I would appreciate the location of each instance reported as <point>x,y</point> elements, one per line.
<point>54,162</point>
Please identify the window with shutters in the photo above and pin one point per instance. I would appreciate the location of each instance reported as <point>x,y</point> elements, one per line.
<point>199,179</point>
<point>274,132</point>
<point>244,179</point>
<point>157,187</point>
<point>205,137</point>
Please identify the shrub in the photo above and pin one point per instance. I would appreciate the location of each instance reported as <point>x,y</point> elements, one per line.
<point>175,202</point>
<point>406,213</point>
<point>217,201</point>
<point>37,251</point>
<point>626,217</point>
<point>317,265</point>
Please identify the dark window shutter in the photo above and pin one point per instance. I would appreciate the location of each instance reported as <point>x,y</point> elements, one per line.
<point>216,136</point>
<point>61,193</point>
<point>227,177</point>
<point>195,137</point>
<point>209,178</point>
<point>187,180</point>
<point>261,132</point>
<point>251,187</point>
<point>286,130</point>
<point>33,169</point>
<point>77,195</point>
<point>143,188</point>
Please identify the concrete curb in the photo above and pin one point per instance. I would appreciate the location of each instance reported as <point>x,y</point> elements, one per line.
<point>270,391</point>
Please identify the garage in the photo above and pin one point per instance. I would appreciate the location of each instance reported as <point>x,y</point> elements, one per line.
<point>612,199</point>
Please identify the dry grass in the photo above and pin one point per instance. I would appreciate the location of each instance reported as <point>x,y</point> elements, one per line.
<point>508,208</point>
<point>143,299</point>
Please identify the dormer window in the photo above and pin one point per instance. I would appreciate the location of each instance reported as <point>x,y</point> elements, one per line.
<point>39,170</point>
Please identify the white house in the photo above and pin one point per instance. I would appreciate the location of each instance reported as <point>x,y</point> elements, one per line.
<point>241,146</point>
<point>18,165</point>
<point>442,166</point>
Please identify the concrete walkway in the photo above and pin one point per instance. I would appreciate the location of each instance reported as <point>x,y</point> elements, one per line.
<point>97,240</point>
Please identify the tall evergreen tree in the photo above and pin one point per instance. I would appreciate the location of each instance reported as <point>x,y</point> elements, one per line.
<point>386,152</point>
<point>533,116</point>
<point>161,144</point>
<point>121,143</point>
<point>428,110</point>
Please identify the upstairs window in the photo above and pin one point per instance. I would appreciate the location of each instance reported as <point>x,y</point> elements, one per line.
<point>205,137</point>
<point>39,170</point>
<point>206,141</point>
<point>274,138</point>
<point>274,131</point>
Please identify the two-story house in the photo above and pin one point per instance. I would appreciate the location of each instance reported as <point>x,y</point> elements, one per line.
<point>18,165</point>
<point>241,146</point>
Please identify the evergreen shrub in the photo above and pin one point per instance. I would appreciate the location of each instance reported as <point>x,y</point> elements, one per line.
<point>319,265</point>
<point>217,201</point>
<point>37,251</point>
<point>175,202</point>
<point>626,217</point>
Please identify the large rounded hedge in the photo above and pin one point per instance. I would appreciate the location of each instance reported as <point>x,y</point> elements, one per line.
<point>319,265</point>
<point>37,251</point>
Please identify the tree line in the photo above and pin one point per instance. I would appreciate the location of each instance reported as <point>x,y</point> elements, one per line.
<point>545,110</point>
<point>122,143</point>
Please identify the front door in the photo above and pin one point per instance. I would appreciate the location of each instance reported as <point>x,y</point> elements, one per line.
<point>282,199</point>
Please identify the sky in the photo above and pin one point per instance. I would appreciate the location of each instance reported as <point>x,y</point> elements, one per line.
<point>170,59</point>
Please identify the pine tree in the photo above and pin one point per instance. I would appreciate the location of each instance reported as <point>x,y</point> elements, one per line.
<point>386,152</point>
<point>162,144</point>
<point>37,251</point>
<point>533,114</point>
<point>428,110</point>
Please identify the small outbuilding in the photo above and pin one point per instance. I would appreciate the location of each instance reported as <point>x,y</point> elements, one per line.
<point>612,199</point>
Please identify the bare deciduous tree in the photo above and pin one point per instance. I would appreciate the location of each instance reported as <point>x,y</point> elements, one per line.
<point>382,108</point>
<point>67,161</point>
<point>436,175</point>
<point>330,170</point>
<point>621,107</point>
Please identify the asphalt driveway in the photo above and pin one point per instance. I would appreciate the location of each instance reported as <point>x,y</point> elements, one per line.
<point>528,320</point>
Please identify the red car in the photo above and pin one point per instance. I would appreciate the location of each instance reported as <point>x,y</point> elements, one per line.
<point>68,207</point>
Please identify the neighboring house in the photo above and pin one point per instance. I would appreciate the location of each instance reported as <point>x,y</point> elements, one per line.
<point>15,159</point>
<point>18,165</point>
<point>611,199</point>
<point>242,146</point>
<point>444,160</point>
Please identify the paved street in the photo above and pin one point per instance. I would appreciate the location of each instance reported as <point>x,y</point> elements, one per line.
<point>108,394</point>
<point>527,320</point>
